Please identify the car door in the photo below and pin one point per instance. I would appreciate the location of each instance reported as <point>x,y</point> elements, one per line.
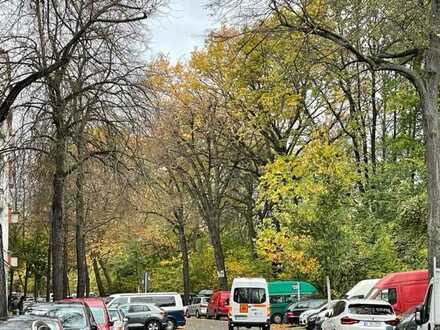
<point>136,315</point>
<point>194,305</point>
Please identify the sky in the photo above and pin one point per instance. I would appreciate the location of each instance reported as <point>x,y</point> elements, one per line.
<point>180,28</point>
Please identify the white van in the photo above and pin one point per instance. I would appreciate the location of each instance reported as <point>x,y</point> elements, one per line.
<point>249,304</point>
<point>361,289</point>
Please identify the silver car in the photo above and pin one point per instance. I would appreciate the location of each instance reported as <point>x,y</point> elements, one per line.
<point>146,316</point>
<point>198,307</point>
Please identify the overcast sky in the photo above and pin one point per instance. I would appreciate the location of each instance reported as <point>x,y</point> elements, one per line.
<point>183,26</point>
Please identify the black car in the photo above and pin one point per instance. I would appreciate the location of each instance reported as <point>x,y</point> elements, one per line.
<point>294,310</point>
<point>146,316</point>
<point>73,315</point>
<point>30,322</point>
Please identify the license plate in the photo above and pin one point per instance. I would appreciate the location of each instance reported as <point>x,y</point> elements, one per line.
<point>371,324</point>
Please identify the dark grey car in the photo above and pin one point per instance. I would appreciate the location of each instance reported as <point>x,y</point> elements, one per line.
<point>144,316</point>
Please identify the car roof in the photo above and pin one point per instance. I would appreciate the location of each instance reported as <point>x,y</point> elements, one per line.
<point>144,294</point>
<point>92,302</point>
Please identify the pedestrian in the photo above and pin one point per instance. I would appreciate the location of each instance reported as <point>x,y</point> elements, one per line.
<point>21,305</point>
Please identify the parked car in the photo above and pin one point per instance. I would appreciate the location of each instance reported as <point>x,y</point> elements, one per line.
<point>218,305</point>
<point>198,307</point>
<point>295,310</point>
<point>171,302</point>
<point>99,311</point>
<point>117,317</point>
<point>362,289</point>
<point>30,322</point>
<point>284,293</point>
<point>408,321</point>
<point>402,290</point>
<point>249,304</point>
<point>361,314</point>
<point>145,316</point>
<point>73,315</point>
<point>314,321</point>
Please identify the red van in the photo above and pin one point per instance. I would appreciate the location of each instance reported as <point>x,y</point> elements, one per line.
<point>218,305</point>
<point>402,290</point>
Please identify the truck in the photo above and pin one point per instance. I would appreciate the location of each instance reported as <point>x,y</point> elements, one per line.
<point>284,293</point>
<point>427,316</point>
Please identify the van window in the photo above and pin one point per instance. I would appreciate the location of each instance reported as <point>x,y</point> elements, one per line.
<point>120,301</point>
<point>249,295</point>
<point>276,299</point>
<point>163,301</point>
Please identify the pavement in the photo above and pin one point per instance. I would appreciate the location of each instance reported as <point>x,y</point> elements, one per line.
<point>204,324</point>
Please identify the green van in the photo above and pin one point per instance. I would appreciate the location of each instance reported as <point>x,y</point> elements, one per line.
<point>284,293</point>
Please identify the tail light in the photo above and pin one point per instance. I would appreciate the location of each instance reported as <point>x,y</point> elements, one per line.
<point>203,305</point>
<point>348,321</point>
<point>290,314</point>
<point>393,323</point>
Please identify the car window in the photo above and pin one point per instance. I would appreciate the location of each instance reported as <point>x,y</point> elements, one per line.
<point>276,299</point>
<point>250,295</point>
<point>120,301</point>
<point>317,303</point>
<point>302,305</point>
<point>71,317</point>
<point>138,308</point>
<point>163,301</point>
<point>98,314</point>
<point>196,301</point>
<point>204,300</point>
<point>339,308</point>
<point>291,298</point>
<point>114,315</point>
<point>369,309</point>
<point>45,325</point>
<point>144,300</point>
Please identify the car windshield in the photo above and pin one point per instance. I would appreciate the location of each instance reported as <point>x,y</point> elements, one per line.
<point>72,317</point>
<point>369,309</point>
<point>98,314</point>
<point>250,295</point>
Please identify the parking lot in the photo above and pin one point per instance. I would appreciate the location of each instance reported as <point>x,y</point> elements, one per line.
<point>203,324</point>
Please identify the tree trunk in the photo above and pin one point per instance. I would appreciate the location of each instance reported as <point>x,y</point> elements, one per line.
<point>218,253</point>
<point>26,281</point>
<point>57,218</point>
<point>36,285</point>
<point>49,268</point>
<point>3,299</point>
<point>373,121</point>
<point>107,276</point>
<point>87,280</point>
<point>98,277</point>
<point>185,262</point>
<point>66,288</point>
<point>250,206</point>
<point>11,281</point>
<point>80,236</point>
<point>431,127</point>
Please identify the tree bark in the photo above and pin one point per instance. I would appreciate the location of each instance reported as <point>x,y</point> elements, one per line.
<point>218,253</point>
<point>26,281</point>
<point>3,299</point>
<point>185,262</point>
<point>87,280</point>
<point>49,269</point>
<point>98,278</point>
<point>373,121</point>
<point>11,281</point>
<point>107,276</point>
<point>57,218</point>
<point>80,236</point>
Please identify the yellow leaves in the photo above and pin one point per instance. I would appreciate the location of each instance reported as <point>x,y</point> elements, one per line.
<point>284,247</point>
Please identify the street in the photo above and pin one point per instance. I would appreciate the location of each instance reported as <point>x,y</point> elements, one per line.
<point>204,324</point>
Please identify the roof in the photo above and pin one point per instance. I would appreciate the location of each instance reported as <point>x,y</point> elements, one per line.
<point>144,294</point>
<point>362,288</point>
<point>286,287</point>
<point>89,301</point>
<point>248,281</point>
<point>417,275</point>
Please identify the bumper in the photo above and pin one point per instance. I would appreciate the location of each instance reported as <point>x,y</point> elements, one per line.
<point>248,324</point>
<point>203,311</point>
<point>293,319</point>
<point>181,323</point>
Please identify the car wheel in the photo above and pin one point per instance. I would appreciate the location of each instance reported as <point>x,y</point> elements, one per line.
<point>230,327</point>
<point>277,319</point>
<point>152,325</point>
<point>187,314</point>
<point>216,315</point>
<point>197,314</point>
<point>171,325</point>
<point>266,327</point>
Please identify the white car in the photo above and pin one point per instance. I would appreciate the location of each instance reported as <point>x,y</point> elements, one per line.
<point>305,315</point>
<point>361,314</point>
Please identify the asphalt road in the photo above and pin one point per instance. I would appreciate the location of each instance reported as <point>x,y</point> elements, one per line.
<point>203,324</point>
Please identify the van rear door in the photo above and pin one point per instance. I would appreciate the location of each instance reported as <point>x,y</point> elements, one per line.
<point>250,305</point>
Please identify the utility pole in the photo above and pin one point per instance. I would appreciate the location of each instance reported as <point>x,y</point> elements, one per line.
<point>329,291</point>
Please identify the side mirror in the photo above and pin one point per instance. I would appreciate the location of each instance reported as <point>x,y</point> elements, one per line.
<point>418,317</point>
<point>111,323</point>
<point>329,313</point>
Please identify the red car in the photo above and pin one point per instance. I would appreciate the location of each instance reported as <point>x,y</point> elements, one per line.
<point>99,311</point>
<point>218,305</point>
